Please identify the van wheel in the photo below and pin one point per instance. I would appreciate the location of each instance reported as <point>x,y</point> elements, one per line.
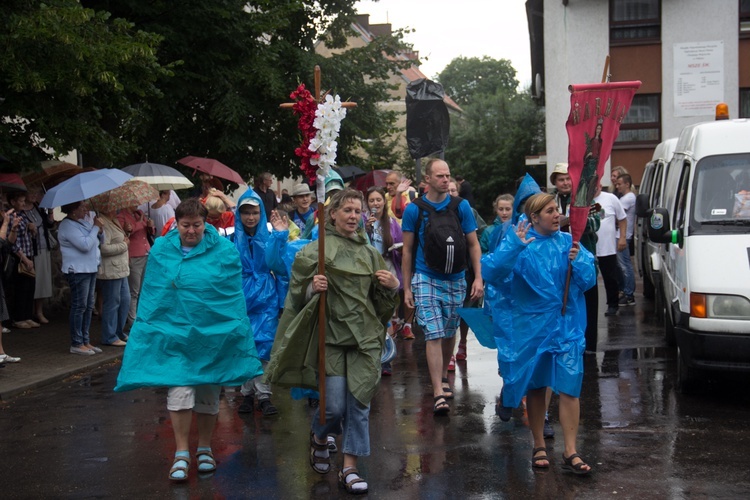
<point>687,378</point>
<point>669,334</point>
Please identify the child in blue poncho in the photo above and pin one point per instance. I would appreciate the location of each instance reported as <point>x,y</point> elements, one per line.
<point>264,290</point>
<point>543,348</point>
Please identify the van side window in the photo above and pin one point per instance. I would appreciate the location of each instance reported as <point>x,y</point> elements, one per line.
<point>656,189</point>
<point>679,209</point>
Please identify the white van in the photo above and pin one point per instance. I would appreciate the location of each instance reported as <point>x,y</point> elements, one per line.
<point>703,223</point>
<point>652,188</point>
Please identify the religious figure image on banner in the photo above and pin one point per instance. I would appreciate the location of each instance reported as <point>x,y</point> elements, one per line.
<point>589,177</point>
<point>596,113</point>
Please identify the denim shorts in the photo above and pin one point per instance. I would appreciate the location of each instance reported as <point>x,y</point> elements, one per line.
<point>436,302</point>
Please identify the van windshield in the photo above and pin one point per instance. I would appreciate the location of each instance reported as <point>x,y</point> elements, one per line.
<point>721,194</point>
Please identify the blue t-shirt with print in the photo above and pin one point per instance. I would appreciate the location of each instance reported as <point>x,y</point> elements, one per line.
<point>409,222</point>
<point>301,220</point>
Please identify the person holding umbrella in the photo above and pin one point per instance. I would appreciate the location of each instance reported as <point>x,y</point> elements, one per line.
<point>113,280</point>
<point>79,245</point>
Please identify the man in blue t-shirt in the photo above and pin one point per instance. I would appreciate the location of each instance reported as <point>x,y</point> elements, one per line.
<point>436,295</point>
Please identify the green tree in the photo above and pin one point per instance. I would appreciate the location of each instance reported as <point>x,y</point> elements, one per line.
<point>71,77</point>
<point>490,140</point>
<point>237,61</point>
<point>466,77</point>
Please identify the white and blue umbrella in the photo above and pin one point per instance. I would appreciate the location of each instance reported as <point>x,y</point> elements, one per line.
<point>159,176</point>
<point>83,186</point>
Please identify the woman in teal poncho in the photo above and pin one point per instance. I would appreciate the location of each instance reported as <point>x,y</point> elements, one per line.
<point>191,332</point>
<point>360,297</point>
<point>543,348</point>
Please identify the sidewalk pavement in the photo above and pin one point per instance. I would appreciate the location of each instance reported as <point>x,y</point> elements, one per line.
<point>45,356</point>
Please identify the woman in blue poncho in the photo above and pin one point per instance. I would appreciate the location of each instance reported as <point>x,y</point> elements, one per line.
<point>191,333</point>
<point>543,348</point>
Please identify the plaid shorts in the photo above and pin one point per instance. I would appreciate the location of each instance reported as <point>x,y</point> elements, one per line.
<point>436,302</point>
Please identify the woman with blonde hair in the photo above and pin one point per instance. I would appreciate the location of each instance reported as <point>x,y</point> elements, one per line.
<point>544,347</point>
<point>218,215</point>
<point>360,296</point>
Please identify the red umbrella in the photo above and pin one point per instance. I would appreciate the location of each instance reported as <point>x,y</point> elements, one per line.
<point>12,182</point>
<point>52,174</point>
<point>211,167</point>
<point>373,178</point>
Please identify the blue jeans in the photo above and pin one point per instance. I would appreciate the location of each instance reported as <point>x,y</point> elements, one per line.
<point>82,287</point>
<point>626,266</point>
<point>115,307</point>
<point>342,406</point>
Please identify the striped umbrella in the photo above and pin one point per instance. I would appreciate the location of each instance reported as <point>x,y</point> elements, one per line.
<point>131,194</point>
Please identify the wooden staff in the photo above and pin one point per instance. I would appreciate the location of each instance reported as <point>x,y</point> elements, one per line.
<point>320,188</point>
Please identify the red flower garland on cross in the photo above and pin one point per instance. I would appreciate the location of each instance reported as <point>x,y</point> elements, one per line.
<point>305,106</point>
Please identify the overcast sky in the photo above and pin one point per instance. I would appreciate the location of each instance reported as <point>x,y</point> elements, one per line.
<point>446,29</point>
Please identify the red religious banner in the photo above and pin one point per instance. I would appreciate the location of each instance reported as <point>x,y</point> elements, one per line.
<point>596,112</point>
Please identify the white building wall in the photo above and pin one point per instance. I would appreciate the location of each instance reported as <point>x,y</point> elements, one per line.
<point>698,21</point>
<point>576,44</point>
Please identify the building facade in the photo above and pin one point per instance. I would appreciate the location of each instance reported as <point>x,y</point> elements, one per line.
<point>689,55</point>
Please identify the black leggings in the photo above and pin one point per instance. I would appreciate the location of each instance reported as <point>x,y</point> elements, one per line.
<point>23,297</point>
<point>610,274</point>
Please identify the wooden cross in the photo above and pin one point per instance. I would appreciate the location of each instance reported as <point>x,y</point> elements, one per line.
<point>320,189</point>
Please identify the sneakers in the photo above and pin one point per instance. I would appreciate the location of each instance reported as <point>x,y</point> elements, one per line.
<point>267,408</point>
<point>4,358</point>
<point>611,311</point>
<point>332,448</point>
<point>627,300</point>
<point>406,333</point>
<point>6,330</point>
<point>81,351</point>
<point>548,432</point>
<point>452,364</point>
<point>247,405</point>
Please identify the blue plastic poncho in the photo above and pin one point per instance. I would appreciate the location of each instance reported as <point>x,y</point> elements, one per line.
<point>191,328</point>
<point>497,295</point>
<point>542,348</point>
<point>264,293</point>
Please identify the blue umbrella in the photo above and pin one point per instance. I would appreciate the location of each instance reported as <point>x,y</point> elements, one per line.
<point>83,186</point>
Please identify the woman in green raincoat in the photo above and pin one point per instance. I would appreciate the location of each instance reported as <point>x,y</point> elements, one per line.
<point>360,297</point>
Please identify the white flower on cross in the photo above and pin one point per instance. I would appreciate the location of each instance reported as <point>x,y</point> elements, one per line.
<point>327,122</point>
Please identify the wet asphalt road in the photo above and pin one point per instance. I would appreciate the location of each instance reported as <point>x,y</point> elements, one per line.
<point>78,439</point>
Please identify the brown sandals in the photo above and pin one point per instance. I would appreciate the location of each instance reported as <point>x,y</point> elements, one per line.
<point>320,464</point>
